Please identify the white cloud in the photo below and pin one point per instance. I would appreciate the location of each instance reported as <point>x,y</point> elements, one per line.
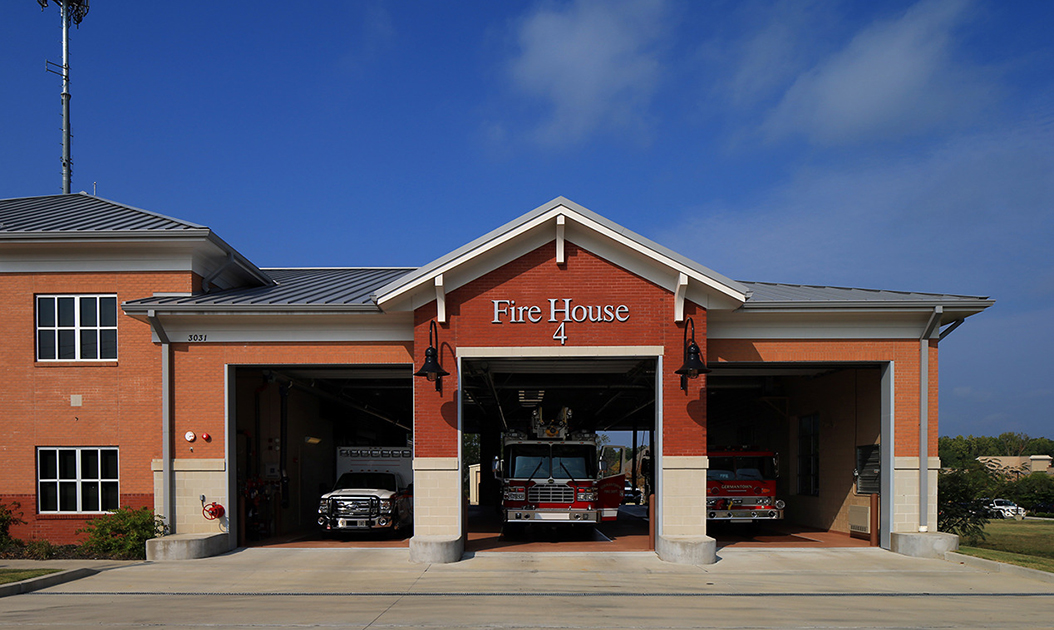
<point>970,216</point>
<point>895,78</point>
<point>593,64</point>
<point>776,42</point>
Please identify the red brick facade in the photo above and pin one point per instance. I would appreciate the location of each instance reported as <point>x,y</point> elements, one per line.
<point>120,399</point>
<point>532,280</point>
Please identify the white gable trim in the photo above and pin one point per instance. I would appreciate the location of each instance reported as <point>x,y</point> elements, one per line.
<point>563,217</point>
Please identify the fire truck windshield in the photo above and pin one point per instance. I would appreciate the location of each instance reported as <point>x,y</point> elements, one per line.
<point>742,468</point>
<point>559,461</point>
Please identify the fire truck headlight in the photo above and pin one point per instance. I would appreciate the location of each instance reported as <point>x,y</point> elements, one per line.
<point>514,494</point>
<point>780,504</point>
<point>711,502</point>
<point>587,494</point>
<point>764,500</point>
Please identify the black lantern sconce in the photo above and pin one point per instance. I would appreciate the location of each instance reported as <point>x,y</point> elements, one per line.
<point>431,368</point>
<point>694,365</point>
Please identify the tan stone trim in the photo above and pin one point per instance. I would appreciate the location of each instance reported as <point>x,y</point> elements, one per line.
<point>156,465</point>
<point>912,463</point>
<point>436,463</point>
<point>685,462</point>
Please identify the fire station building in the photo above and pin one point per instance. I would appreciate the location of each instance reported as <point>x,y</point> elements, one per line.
<point>148,363</point>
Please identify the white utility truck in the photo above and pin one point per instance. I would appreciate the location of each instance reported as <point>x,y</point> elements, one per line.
<point>374,490</point>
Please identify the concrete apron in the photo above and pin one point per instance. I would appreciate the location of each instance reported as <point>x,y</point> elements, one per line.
<point>390,571</point>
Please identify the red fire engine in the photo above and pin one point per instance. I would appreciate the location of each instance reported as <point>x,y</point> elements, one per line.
<point>558,477</point>
<point>741,485</point>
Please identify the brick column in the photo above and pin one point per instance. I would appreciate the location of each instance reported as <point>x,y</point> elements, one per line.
<point>683,536</point>
<point>438,533</point>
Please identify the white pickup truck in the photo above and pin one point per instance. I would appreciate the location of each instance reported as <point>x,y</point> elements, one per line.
<point>374,491</point>
<point>1003,508</point>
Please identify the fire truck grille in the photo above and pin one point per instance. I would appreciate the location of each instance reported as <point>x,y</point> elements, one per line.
<point>354,507</point>
<point>546,493</point>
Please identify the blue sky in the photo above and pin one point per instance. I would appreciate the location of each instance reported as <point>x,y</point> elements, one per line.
<point>893,145</point>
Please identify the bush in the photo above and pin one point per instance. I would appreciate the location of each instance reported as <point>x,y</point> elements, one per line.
<point>40,549</point>
<point>9,515</point>
<point>122,533</point>
<point>958,509</point>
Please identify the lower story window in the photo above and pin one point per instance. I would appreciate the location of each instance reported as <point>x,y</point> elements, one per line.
<point>81,479</point>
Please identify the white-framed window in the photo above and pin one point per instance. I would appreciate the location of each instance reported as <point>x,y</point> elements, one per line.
<point>77,479</point>
<point>76,327</point>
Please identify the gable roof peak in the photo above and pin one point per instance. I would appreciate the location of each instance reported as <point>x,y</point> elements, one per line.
<point>534,226</point>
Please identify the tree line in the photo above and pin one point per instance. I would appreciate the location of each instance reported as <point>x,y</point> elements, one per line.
<point>958,451</point>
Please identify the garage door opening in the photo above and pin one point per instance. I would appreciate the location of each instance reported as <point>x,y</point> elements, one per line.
<point>543,436</point>
<point>291,420</point>
<point>816,421</point>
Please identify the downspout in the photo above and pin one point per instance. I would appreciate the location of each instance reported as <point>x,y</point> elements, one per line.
<point>932,327</point>
<point>168,502</point>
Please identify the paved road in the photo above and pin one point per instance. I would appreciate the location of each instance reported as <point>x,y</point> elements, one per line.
<point>749,588</point>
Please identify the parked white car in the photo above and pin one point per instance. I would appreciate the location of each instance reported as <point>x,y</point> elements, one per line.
<point>1003,508</point>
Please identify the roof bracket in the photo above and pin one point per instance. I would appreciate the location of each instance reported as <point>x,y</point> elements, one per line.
<point>155,323</point>
<point>561,222</point>
<point>206,282</point>
<point>440,300</point>
<point>933,324</point>
<point>678,297</point>
<point>948,330</point>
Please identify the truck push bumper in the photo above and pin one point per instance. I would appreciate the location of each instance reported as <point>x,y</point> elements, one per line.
<point>552,516</point>
<point>380,522</point>
<point>753,514</point>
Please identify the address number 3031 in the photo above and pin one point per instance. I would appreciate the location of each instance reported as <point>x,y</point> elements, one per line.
<point>197,337</point>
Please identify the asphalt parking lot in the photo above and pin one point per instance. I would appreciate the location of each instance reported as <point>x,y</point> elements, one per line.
<point>380,588</point>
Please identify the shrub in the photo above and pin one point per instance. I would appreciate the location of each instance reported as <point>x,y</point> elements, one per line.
<point>9,515</point>
<point>40,549</point>
<point>122,533</point>
<point>958,509</point>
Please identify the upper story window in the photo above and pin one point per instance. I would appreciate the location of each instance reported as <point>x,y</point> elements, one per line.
<point>76,327</point>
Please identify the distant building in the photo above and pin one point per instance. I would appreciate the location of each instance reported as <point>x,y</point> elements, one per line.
<point>1018,464</point>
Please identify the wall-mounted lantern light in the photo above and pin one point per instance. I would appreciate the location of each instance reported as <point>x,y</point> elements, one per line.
<point>431,368</point>
<point>694,364</point>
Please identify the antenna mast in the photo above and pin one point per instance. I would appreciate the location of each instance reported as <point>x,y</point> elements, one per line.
<point>70,11</point>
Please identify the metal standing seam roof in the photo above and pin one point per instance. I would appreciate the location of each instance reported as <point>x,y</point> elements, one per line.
<point>79,213</point>
<point>295,289</point>
<point>84,216</point>
<point>352,288</point>
<point>770,294</point>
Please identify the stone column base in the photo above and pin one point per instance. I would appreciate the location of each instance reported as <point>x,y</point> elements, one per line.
<point>436,549</point>
<point>686,549</point>
<point>923,545</point>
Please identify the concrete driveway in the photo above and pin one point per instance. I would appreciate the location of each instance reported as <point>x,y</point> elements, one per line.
<point>380,588</point>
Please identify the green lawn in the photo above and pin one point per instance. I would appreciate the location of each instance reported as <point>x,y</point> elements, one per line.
<point>1024,543</point>
<point>17,575</point>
